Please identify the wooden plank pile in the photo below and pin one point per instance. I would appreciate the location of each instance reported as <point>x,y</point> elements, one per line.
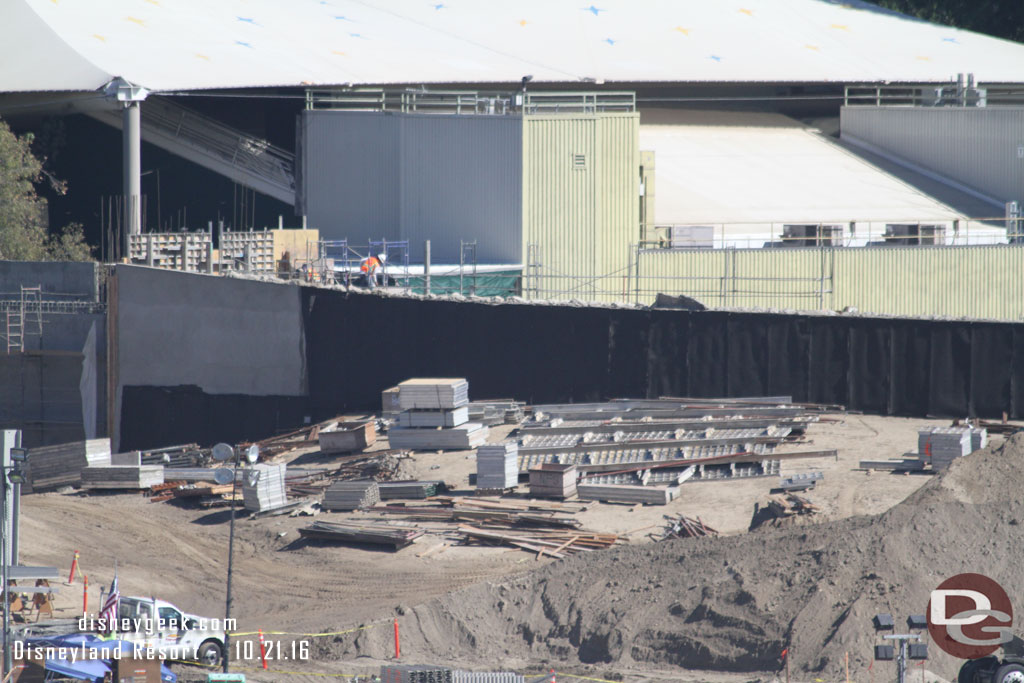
<point>129,477</point>
<point>551,480</point>
<point>351,532</point>
<point>497,466</point>
<point>351,495</point>
<point>434,416</point>
<point>51,467</point>
<point>791,504</point>
<point>682,526</point>
<point>408,490</point>
<point>647,495</point>
<point>263,487</point>
<point>554,543</point>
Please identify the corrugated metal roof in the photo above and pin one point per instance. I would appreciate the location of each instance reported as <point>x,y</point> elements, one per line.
<point>196,44</point>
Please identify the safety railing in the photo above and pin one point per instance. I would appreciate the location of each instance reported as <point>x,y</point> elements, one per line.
<point>469,102</point>
<point>957,93</point>
<point>539,102</point>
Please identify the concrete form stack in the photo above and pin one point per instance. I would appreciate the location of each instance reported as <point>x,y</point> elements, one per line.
<point>51,467</point>
<point>979,438</point>
<point>497,466</point>
<point>434,416</point>
<point>131,477</point>
<point>942,445</point>
<point>351,495</point>
<point>648,495</point>
<point>263,488</point>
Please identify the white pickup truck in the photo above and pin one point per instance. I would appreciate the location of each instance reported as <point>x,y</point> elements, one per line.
<point>169,633</point>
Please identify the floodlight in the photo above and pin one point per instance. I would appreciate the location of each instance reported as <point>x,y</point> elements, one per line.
<point>918,650</point>
<point>19,454</point>
<point>884,622</point>
<point>223,475</point>
<point>917,622</point>
<point>885,653</point>
<point>253,453</point>
<point>16,477</point>
<point>222,452</point>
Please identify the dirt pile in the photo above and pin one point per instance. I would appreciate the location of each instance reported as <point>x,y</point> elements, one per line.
<point>733,604</point>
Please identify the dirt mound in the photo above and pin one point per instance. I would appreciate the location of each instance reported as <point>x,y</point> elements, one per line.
<point>733,604</point>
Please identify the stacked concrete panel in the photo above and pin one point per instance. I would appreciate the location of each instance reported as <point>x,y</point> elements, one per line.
<point>497,465</point>
<point>263,488</point>
<point>351,495</point>
<point>979,438</point>
<point>942,445</point>
<point>434,416</point>
<point>647,495</point>
<point>130,477</point>
<point>51,467</point>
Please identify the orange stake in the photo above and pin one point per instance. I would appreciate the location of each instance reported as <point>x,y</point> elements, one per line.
<point>85,595</point>
<point>263,651</point>
<point>398,649</point>
<point>74,568</point>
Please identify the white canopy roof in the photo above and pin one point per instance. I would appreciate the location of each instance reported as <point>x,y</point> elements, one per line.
<point>169,45</point>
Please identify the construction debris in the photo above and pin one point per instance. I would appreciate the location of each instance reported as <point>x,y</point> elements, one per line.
<point>545,542</point>
<point>682,526</point>
<point>349,532</point>
<point>351,495</point>
<point>783,510</point>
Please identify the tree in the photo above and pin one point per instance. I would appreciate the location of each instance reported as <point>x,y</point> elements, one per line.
<point>23,215</point>
<point>999,18</point>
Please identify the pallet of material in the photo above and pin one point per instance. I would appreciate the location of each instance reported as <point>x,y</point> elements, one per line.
<point>433,393</point>
<point>351,495</point>
<point>648,495</point>
<point>131,477</point>
<point>408,490</point>
<point>941,445</point>
<point>434,418</point>
<point>497,466</point>
<point>51,467</point>
<point>375,534</point>
<point>801,481</point>
<point>263,488</point>
<point>461,438</point>
<point>344,437</point>
<point>553,481</point>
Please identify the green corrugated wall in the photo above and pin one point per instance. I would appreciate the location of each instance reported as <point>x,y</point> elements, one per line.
<point>973,281</point>
<point>582,219</point>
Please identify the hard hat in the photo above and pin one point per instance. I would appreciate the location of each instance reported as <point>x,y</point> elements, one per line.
<point>382,257</point>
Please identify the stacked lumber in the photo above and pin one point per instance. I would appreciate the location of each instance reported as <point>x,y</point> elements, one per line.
<point>375,534</point>
<point>551,480</point>
<point>556,543</point>
<point>682,526</point>
<point>51,467</point>
<point>263,488</point>
<point>647,495</point>
<point>131,477</point>
<point>408,489</point>
<point>461,438</point>
<point>433,393</point>
<point>497,466</point>
<point>351,495</point>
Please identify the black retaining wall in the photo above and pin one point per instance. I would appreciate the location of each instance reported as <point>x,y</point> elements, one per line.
<point>358,345</point>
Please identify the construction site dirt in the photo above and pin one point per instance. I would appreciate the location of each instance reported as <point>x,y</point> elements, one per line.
<point>700,609</point>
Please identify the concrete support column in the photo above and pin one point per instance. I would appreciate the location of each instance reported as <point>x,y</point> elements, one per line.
<point>132,164</point>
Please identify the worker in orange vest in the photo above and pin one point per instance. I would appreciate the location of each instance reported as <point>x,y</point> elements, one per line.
<point>372,267</point>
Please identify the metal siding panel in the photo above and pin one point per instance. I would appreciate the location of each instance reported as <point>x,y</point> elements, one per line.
<point>350,175</point>
<point>976,146</point>
<point>461,180</point>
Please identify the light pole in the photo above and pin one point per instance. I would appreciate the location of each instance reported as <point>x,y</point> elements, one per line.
<point>223,452</point>
<point>886,653</point>
<point>14,475</point>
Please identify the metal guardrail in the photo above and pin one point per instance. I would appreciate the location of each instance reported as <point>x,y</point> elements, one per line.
<point>253,155</point>
<point>951,94</point>
<point>469,102</point>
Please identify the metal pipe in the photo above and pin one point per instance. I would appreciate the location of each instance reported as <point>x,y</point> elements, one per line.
<point>231,554</point>
<point>426,267</point>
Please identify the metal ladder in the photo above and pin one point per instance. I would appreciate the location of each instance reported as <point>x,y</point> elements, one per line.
<point>30,310</point>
